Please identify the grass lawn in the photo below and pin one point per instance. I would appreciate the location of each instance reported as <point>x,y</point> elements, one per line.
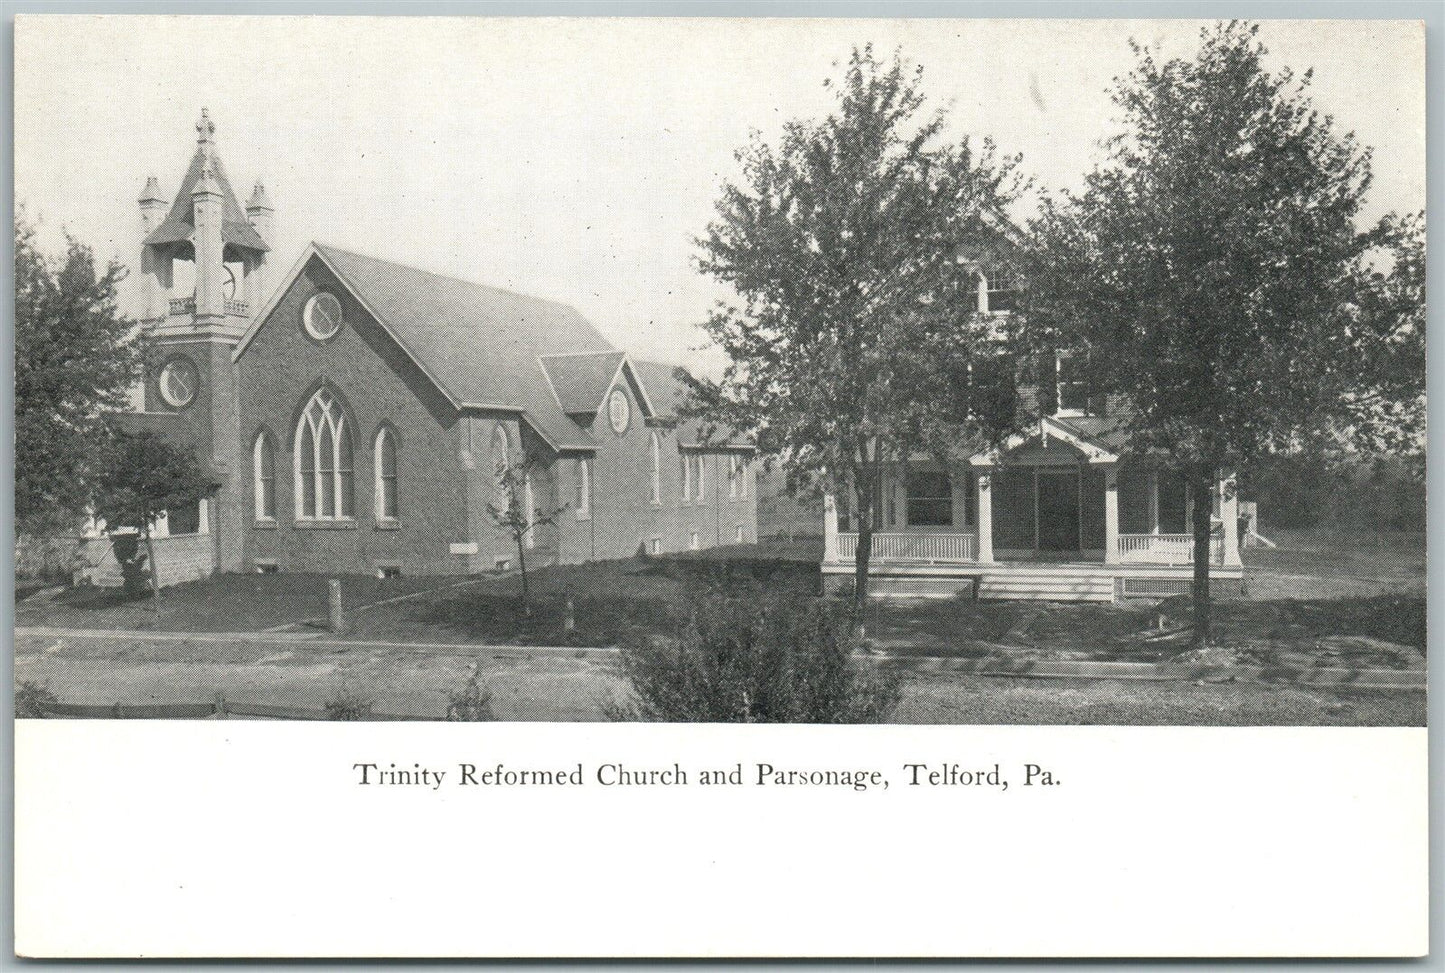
<point>1322,601</point>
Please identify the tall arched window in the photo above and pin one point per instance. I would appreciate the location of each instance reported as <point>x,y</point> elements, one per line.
<point>656,468</point>
<point>500,446</point>
<point>263,473</point>
<point>583,499</point>
<point>384,458</point>
<point>324,478</point>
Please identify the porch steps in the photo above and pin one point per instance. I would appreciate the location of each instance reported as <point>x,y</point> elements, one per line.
<point>1045,584</point>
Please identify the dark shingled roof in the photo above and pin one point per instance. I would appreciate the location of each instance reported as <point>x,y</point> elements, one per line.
<point>180,222</point>
<point>480,344</point>
<point>580,380</point>
<point>667,392</point>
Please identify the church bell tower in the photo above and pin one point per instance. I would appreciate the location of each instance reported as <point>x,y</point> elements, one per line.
<point>203,268</point>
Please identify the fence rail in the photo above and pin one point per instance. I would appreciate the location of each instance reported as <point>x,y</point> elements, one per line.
<point>913,547</point>
<point>1165,549</point>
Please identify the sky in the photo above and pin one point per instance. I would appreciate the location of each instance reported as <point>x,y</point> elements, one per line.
<point>577,160</point>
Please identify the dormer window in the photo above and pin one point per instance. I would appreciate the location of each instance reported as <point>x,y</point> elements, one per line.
<point>1072,391</point>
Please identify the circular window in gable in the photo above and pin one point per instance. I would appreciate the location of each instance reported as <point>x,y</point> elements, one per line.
<point>618,411</point>
<point>322,316</point>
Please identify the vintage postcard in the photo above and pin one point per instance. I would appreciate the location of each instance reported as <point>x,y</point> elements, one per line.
<point>653,487</point>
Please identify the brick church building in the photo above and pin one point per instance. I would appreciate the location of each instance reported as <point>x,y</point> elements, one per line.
<point>355,414</point>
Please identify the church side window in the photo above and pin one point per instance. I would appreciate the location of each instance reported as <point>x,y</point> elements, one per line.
<point>656,468</point>
<point>584,489</point>
<point>385,459</point>
<point>324,475</point>
<point>263,464</point>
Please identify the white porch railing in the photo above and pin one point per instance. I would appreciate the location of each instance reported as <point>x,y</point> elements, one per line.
<point>912,547</point>
<point>1165,549</point>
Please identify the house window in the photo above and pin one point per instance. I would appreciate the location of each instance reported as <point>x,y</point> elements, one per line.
<point>656,468</point>
<point>385,461</point>
<point>1072,389</point>
<point>998,291</point>
<point>583,484</point>
<point>324,477</point>
<point>263,472</point>
<point>930,499</point>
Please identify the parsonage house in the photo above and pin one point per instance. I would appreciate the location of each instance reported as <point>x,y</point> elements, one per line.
<point>356,417</point>
<point>1063,512</point>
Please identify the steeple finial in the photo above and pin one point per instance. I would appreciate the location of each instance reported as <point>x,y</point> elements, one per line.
<point>205,128</point>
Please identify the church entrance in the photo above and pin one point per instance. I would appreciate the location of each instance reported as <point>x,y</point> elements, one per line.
<point>1058,506</point>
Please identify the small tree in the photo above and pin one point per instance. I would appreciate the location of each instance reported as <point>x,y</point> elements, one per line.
<point>518,517</point>
<point>1213,271</point>
<point>853,247</point>
<point>74,362</point>
<point>144,476</point>
<point>755,660</point>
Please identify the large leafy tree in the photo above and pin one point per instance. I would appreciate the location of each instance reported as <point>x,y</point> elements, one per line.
<point>74,361</point>
<point>1215,271</point>
<point>851,245</point>
<point>142,476</point>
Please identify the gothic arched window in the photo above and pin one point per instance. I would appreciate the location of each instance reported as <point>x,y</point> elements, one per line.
<point>384,454</point>
<point>324,479</point>
<point>656,468</point>
<point>263,469</point>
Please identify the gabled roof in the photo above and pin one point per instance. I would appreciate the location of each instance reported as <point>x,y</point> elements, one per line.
<point>1093,447</point>
<point>180,222</point>
<point>668,391</point>
<point>479,345</point>
<point>582,379</point>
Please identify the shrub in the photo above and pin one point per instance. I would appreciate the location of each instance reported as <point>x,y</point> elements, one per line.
<point>759,660</point>
<point>348,704</point>
<point>33,700</point>
<point>472,703</point>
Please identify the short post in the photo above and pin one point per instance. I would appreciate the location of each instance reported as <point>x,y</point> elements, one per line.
<point>336,622</point>
<point>830,529</point>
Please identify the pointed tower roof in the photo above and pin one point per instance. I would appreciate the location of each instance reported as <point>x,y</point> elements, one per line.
<point>180,222</point>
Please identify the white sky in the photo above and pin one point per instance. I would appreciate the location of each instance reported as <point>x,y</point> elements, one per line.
<point>577,159</point>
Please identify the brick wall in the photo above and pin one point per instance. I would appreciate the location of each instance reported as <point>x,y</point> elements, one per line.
<point>376,382</point>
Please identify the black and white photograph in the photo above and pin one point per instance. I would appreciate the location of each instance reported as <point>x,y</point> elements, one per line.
<point>916,373</point>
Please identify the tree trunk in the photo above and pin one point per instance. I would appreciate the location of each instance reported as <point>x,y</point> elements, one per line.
<point>522,563</point>
<point>154,572</point>
<point>864,511</point>
<point>1200,482</point>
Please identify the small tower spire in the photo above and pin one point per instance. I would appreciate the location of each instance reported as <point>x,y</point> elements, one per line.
<point>205,129</point>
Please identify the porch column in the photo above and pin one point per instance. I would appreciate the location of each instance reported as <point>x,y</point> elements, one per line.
<point>1111,513</point>
<point>1229,513</point>
<point>830,529</point>
<point>1153,498</point>
<point>983,513</point>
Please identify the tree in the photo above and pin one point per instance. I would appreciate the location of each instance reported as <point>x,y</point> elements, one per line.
<point>1212,270</point>
<point>517,515</point>
<point>74,362</point>
<point>852,246</point>
<point>754,660</point>
<point>142,477</point>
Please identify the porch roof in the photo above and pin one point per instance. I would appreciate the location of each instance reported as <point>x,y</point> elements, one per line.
<point>1094,446</point>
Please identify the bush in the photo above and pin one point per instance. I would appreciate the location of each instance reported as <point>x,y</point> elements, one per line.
<point>33,700</point>
<point>348,704</point>
<point>472,703</point>
<point>759,660</point>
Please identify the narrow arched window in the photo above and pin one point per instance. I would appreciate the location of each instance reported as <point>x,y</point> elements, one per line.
<point>584,489</point>
<point>656,468</point>
<point>500,446</point>
<point>324,476</point>
<point>384,454</point>
<point>263,473</point>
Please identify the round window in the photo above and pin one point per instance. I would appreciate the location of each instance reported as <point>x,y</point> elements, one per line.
<point>618,411</point>
<point>178,382</point>
<point>322,316</point>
